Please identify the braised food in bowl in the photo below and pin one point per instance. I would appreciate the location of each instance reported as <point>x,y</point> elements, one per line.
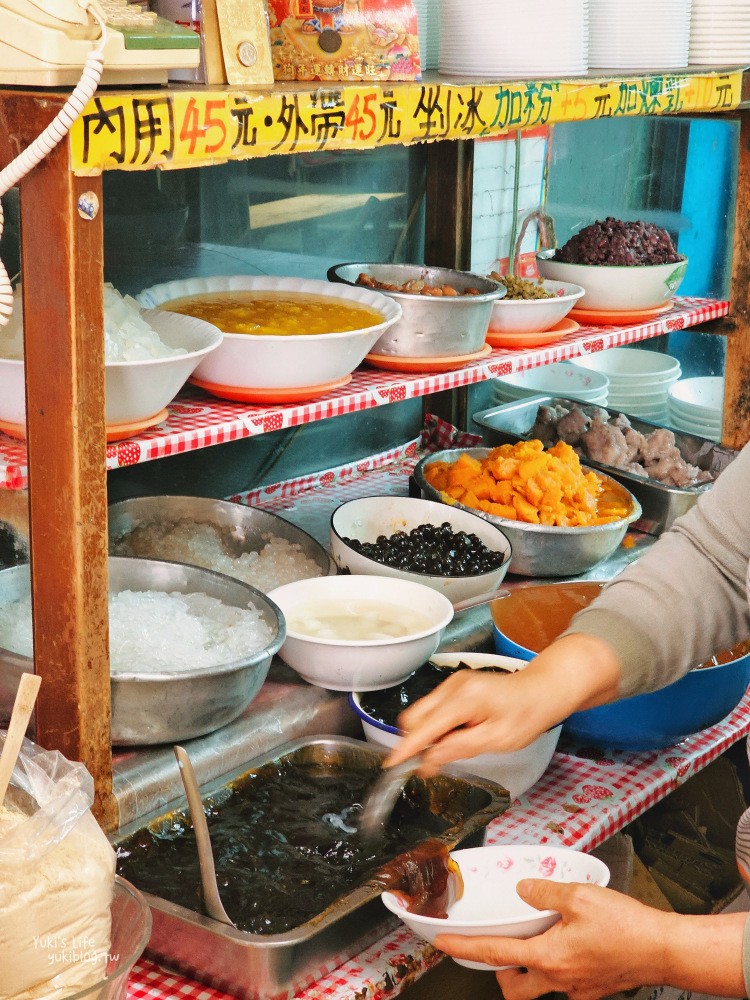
<point>432,325</point>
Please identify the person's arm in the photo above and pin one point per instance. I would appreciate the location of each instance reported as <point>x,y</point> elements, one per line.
<point>606,942</point>
<point>473,712</point>
<point>686,598</point>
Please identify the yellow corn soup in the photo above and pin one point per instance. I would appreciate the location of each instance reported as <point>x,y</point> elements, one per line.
<point>277,314</point>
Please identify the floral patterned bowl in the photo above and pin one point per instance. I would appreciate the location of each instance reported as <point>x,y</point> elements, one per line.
<point>490,903</point>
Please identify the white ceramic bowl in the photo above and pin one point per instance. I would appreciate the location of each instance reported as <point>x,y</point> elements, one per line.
<point>561,379</point>
<point>516,771</point>
<point>535,315</point>
<point>630,368</point>
<point>274,362</point>
<point>368,517</point>
<point>361,665</point>
<point>698,398</point>
<point>134,390</point>
<point>612,288</point>
<point>490,904</point>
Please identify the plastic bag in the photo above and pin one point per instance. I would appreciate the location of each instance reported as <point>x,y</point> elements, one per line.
<point>57,873</point>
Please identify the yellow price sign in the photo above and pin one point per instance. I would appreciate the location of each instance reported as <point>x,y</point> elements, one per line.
<point>191,127</point>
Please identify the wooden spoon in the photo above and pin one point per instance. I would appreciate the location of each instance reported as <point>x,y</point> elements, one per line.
<point>23,706</point>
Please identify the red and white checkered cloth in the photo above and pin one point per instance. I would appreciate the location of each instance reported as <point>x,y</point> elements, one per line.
<point>198,420</point>
<point>583,799</point>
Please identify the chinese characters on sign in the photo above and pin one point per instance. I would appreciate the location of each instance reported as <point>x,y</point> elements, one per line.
<point>179,129</point>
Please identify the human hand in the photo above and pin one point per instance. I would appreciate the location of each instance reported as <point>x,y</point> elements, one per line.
<point>603,943</point>
<point>475,712</point>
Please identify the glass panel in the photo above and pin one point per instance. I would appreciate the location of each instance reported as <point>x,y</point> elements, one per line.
<point>285,215</point>
<point>677,173</point>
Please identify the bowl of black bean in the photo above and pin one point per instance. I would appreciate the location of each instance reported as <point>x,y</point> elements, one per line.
<point>621,265</point>
<point>455,552</point>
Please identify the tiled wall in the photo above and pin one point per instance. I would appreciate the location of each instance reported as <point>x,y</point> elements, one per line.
<point>494,172</point>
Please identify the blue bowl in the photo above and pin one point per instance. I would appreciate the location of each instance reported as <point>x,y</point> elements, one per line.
<point>660,719</point>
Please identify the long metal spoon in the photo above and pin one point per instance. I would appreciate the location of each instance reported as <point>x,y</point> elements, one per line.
<point>479,600</point>
<point>211,897</point>
<point>382,797</point>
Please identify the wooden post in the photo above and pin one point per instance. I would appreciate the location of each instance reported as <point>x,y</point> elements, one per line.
<point>448,200</point>
<point>736,425</point>
<point>62,271</point>
<point>448,206</point>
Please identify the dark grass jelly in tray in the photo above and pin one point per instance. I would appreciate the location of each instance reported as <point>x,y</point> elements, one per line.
<point>284,841</point>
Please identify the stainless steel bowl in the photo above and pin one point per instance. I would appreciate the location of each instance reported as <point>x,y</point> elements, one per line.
<point>431,326</point>
<point>540,550</point>
<point>245,527</point>
<point>150,708</point>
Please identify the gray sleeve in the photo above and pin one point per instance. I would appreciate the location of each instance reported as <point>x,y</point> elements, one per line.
<point>686,598</point>
<point>746,956</point>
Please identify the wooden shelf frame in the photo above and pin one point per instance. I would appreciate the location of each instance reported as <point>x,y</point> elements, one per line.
<point>63,267</point>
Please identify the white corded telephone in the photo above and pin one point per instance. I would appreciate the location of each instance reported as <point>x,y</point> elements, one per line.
<point>46,42</point>
<point>71,35</point>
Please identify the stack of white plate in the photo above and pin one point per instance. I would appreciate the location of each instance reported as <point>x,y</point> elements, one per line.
<point>561,379</point>
<point>720,33</point>
<point>696,405</point>
<point>511,40</point>
<point>639,381</point>
<point>639,34</point>
<point>428,20</point>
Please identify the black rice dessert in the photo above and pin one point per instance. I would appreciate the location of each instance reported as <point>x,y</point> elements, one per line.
<point>620,244</point>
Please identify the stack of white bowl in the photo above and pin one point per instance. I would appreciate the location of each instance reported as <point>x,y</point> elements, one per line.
<point>561,379</point>
<point>720,33</point>
<point>696,405</point>
<point>506,39</point>
<point>639,381</point>
<point>428,20</point>
<point>640,34</point>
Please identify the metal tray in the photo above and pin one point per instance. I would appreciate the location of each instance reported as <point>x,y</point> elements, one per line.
<point>277,966</point>
<point>661,505</point>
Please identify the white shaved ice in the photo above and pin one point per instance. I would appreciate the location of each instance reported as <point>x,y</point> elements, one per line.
<point>276,563</point>
<point>152,631</point>
<point>127,336</point>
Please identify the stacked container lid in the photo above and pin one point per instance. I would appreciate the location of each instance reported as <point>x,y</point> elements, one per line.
<point>428,22</point>
<point>561,379</point>
<point>639,381</point>
<point>695,406</point>
<point>640,34</point>
<point>720,33</point>
<point>511,40</point>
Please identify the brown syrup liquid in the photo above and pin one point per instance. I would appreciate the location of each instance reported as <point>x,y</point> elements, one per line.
<point>534,617</point>
<point>286,847</point>
<point>426,879</point>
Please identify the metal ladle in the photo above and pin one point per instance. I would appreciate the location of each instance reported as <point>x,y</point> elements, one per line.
<point>383,796</point>
<point>211,897</point>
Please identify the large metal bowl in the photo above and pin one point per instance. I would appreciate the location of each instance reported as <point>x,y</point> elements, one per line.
<point>431,327</point>
<point>247,528</point>
<point>540,550</point>
<point>149,708</point>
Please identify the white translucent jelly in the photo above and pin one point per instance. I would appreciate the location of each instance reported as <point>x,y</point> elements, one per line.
<point>356,620</point>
